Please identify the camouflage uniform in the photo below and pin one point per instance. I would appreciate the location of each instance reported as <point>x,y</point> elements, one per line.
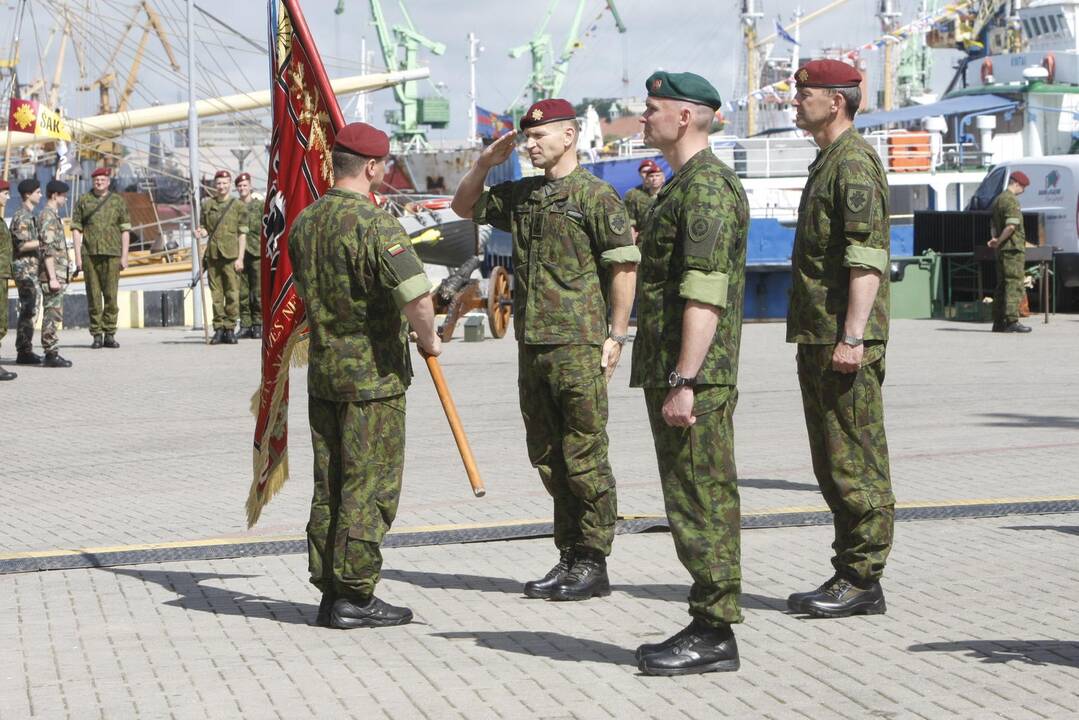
<point>693,246</point>
<point>227,219</point>
<point>102,221</point>
<point>6,251</point>
<point>637,201</point>
<point>355,269</point>
<point>25,266</point>
<point>250,278</point>
<point>1011,253</point>
<point>566,233</point>
<point>54,245</point>
<point>843,222</point>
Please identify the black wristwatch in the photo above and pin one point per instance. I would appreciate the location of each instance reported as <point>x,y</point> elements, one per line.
<point>676,381</point>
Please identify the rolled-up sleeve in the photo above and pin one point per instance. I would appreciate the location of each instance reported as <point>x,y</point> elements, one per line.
<point>494,207</point>
<point>709,288</point>
<point>869,258</point>
<point>619,255</point>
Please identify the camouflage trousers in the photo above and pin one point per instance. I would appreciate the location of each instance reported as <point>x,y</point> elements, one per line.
<point>844,414</point>
<point>26,282</point>
<point>564,405</point>
<point>102,273</point>
<point>251,291</point>
<point>359,450</point>
<point>52,316</point>
<point>3,307</point>
<point>224,291</point>
<point>700,493</point>
<point>1009,290</point>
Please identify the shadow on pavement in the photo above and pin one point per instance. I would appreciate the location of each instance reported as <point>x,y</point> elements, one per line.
<point>1032,421</point>
<point>987,329</point>
<point>680,594</point>
<point>193,595</point>
<point>555,646</point>
<point>1069,529</point>
<point>1031,652</point>
<point>447,581</point>
<point>763,484</point>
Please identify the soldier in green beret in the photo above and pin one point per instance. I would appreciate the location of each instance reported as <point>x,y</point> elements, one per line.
<point>1009,240</point>
<point>838,316</point>
<point>689,323</point>
<point>251,277</point>
<point>224,225</point>
<point>574,262</point>
<point>24,237</point>
<point>5,269</point>
<point>101,228</point>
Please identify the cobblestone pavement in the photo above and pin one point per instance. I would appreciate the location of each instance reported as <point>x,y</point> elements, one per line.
<point>150,444</point>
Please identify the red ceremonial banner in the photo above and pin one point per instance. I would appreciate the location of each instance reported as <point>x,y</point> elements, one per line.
<point>306,119</point>
<point>22,116</point>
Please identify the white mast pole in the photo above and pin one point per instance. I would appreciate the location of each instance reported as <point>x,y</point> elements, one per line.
<point>193,160</point>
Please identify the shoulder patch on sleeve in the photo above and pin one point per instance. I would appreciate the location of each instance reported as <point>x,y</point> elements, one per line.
<point>858,201</point>
<point>703,232</point>
<point>617,222</point>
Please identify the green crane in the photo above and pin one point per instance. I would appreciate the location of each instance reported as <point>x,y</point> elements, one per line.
<point>415,111</point>
<point>549,73</point>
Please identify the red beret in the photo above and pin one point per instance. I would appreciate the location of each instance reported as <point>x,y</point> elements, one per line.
<point>361,139</point>
<point>221,174</point>
<point>1020,177</point>
<point>243,176</point>
<point>98,172</point>
<point>547,111</point>
<point>649,165</point>
<point>828,74</point>
<point>4,185</point>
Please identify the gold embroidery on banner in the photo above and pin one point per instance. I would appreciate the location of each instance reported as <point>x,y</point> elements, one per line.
<point>310,100</point>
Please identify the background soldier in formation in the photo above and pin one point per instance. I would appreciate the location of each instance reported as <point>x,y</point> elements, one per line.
<point>838,316</point>
<point>224,223</point>
<point>25,244</point>
<point>52,271</point>
<point>6,251</point>
<point>100,226</point>
<point>640,198</point>
<point>357,272</point>
<point>1009,240</point>
<point>570,234</point>
<point>689,323</point>
<point>250,275</point>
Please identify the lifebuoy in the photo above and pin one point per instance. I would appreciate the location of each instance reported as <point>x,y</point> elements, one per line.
<point>1050,65</point>
<point>987,71</point>
<point>436,203</point>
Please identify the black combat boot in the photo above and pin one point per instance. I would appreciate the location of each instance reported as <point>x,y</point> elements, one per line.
<point>230,337</point>
<point>586,579</point>
<point>1016,327</point>
<point>256,332</point>
<point>541,589</point>
<point>349,614</point>
<point>110,342</point>
<point>219,337</point>
<point>245,332</point>
<point>796,600</point>
<point>699,648</point>
<point>842,598</point>
<point>53,359</point>
<point>325,609</point>
<point>27,358</point>
<point>97,344</point>
<point>7,375</point>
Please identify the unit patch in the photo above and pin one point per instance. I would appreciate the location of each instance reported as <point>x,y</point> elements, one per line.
<point>617,221</point>
<point>703,231</point>
<point>857,198</point>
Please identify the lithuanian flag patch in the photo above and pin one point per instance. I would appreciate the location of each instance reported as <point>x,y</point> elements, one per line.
<point>395,249</point>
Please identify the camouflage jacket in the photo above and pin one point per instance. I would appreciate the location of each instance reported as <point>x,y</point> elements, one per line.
<point>355,268</point>
<point>637,202</point>
<point>223,244</point>
<point>1005,211</point>
<point>693,246</point>
<point>843,222</point>
<point>101,221</point>
<point>23,229</point>
<point>565,233</point>
<point>7,250</point>
<point>254,226</point>
<point>50,232</point>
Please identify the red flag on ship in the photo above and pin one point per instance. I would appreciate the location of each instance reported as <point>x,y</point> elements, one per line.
<point>306,119</point>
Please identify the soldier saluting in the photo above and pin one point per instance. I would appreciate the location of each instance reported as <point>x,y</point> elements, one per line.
<point>838,316</point>
<point>224,223</point>
<point>570,233</point>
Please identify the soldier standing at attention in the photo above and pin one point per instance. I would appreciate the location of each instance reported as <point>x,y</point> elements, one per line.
<point>250,276</point>
<point>25,245</point>
<point>689,325</point>
<point>100,226</point>
<point>838,316</point>
<point>640,198</point>
<point>53,271</point>
<point>356,272</point>
<point>570,234</point>
<point>5,269</point>
<point>1009,240</point>
<point>224,223</point>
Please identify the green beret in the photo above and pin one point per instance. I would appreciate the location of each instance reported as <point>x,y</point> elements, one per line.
<point>689,87</point>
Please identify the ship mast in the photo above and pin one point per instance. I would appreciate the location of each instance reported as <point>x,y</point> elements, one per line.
<point>889,20</point>
<point>750,14</point>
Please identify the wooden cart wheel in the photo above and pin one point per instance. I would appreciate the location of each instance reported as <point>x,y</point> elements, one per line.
<point>499,301</point>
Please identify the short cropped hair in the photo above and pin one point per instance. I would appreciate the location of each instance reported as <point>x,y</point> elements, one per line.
<point>346,164</point>
<point>852,99</point>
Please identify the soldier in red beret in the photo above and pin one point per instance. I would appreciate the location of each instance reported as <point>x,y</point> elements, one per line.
<point>250,276</point>
<point>640,198</point>
<point>570,234</point>
<point>838,316</point>
<point>1010,241</point>
<point>357,273</point>
<point>224,226</point>
<point>5,269</point>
